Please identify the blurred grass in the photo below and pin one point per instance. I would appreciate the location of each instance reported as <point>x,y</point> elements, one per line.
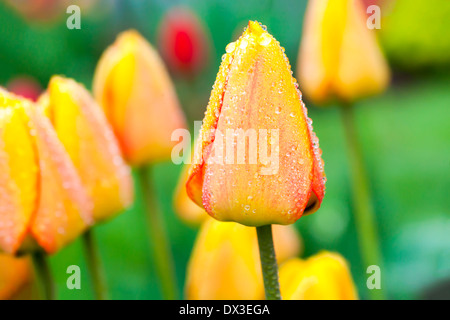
<point>405,135</point>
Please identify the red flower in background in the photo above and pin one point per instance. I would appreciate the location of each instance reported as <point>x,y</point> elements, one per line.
<point>25,86</point>
<point>183,41</point>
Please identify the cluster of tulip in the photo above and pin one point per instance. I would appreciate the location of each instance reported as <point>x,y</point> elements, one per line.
<point>65,158</point>
<point>65,161</point>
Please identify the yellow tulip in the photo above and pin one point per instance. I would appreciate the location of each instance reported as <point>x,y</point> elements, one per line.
<point>89,140</point>
<point>325,276</point>
<point>255,90</point>
<point>15,275</point>
<point>339,57</point>
<point>139,100</point>
<point>225,264</point>
<point>42,199</point>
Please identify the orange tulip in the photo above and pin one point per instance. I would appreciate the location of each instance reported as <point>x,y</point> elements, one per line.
<point>224,263</point>
<point>255,90</point>
<point>139,100</point>
<point>88,139</point>
<point>15,275</point>
<point>339,56</point>
<point>325,276</point>
<point>42,199</point>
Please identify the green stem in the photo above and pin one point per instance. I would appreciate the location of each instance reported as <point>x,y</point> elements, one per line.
<point>43,275</point>
<point>95,266</point>
<point>363,209</point>
<point>158,237</point>
<point>269,264</point>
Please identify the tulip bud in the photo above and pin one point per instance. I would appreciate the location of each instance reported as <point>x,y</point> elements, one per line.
<point>325,276</point>
<point>183,41</point>
<point>339,56</point>
<point>139,100</point>
<point>255,93</point>
<point>225,260</point>
<point>90,142</point>
<point>42,199</point>
<point>15,275</point>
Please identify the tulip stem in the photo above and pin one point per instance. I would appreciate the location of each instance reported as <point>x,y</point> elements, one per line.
<point>43,275</point>
<point>95,266</point>
<point>363,210</point>
<point>158,237</point>
<point>269,264</point>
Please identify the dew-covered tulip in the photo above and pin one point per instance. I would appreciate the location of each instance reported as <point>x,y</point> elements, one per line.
<point>255,92</point>
<point>339,56</point>
<point>183,41</point>
<point>15,275</point>
<point>224,263</point>
<point>139,100</point>
<point>325,276</point>
<point>87,137</point>
<point>42,200</point>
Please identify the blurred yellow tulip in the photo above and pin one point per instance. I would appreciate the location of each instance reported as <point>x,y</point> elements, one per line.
<point>325,276</point>
<point>42,198</point>
<point>138,97</point>
<point>15,275</point>
<point>225,264</point>
<point>339,57</point>
<point>89,140</point>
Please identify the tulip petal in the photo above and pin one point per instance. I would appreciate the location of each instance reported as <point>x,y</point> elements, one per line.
<point>187,209</point>
<point>325,276</point>
<point>83,130</point>
<point>206,138</point>
<point>64,209</point>
<point>18,174</point>
<point>15,273</point>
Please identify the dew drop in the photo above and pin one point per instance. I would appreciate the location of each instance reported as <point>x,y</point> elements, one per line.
<point>230,47</point>
<point>243,44</point>
<point>265,39</point>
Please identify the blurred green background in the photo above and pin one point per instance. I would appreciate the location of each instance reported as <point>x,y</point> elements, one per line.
<point>405,135</point>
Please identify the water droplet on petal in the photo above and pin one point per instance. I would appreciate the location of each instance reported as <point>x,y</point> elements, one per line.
<point>230,47</point>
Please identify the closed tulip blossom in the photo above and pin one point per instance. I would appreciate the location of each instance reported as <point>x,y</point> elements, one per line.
<point>224,263</point>
<point>325,276</point>
<point>255,90</point>
<point>278,175</point>
<point>339,58</point>
<point>138,98</point>
<point>90,142</point>
<point>42,200</point>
